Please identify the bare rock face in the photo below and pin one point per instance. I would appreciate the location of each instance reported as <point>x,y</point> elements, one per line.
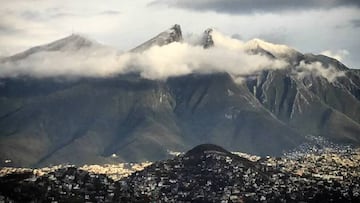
<point>176,35</point>
<point>207,40</point>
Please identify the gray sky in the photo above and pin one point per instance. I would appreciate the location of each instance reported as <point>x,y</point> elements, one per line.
<point>317,26</point>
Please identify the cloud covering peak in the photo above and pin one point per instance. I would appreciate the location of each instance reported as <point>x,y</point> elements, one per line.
<point>157,62</point>
<point>76,56</point>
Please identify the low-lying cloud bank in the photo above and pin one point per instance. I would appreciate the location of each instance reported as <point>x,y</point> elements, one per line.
<point>174,59</point>
<point>228,55</point>
<point>87,63</point>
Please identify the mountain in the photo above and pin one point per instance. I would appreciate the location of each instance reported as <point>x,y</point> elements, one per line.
<point>331,102</point>
<point>124,117</point>
<point>88,120</point>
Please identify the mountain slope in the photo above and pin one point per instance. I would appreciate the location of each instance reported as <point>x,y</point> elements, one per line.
<point>89,120</point>
<point>216,109</point>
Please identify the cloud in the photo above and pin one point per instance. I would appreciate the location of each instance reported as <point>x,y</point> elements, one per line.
<point>279,36</point>
<point>355,23</point>
<point>110,12</point>
<point>24,24</point>
<point>237,36</point>
<point>8,29</point>
<point>338,55</point>
<point>59,18</point>
<point>97,62</point>
<point>316,68</point>
<point>175,59</point>
<point>161,62</point>
<point>46,15</point>
<point>250,6</point>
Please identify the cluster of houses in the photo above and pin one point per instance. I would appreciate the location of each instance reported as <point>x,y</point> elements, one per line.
<point>220,177</point>
<point>116,171</point>
<point>203,176</point>
<point>64,185</point>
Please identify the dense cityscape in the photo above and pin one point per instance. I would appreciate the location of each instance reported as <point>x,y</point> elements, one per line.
<point>207,173</point>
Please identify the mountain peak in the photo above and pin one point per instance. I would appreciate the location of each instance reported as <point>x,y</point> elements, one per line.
<point>73,42</point>
<point>173,34</point>
<point>177,31</point>
<point>207,40</point>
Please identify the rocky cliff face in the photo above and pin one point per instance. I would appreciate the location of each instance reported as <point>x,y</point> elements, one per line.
<point>207,40</point>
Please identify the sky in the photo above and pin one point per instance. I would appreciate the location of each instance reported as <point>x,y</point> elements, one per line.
<point>330,27</point>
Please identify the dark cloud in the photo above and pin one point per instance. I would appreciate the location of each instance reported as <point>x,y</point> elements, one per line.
<point>237,36</point>
<point>62,14</point>
<point>355,23</point>
<point>249,6</point>
<point>31,15</point>
<point>277,36</point>
<point>5,29</point>
<point>110,12</point>
<point>59,13</point>
<point>45,15</point>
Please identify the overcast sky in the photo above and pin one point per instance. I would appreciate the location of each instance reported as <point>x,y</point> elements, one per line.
<point>318,26</point>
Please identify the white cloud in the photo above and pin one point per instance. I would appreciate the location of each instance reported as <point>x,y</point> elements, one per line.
<point>339,55</point>
<point>316,68</point>
<point>88,63</point>
<point>39,21</point>
<point>160,62</point>
<point>175,59</point>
